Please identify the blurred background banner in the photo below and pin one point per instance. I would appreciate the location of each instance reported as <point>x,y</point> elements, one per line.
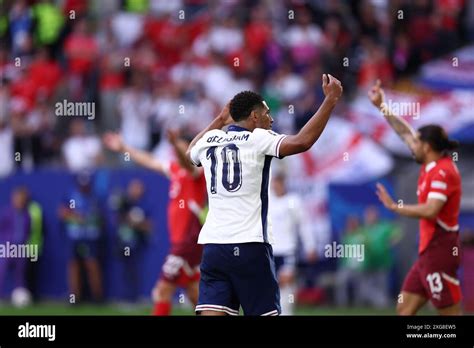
<point>440,75</point>
<point>50,188</point>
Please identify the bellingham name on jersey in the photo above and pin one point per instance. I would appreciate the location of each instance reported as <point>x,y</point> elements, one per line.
<point>220,140</point>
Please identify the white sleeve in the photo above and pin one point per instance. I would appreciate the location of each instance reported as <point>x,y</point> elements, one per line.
<point>196,152</point>
<point>268,142</point>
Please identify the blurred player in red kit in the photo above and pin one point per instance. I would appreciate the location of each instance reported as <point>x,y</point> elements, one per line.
<point>187,194</point>
<point>434,275</point>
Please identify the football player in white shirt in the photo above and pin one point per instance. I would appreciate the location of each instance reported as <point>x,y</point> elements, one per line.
<point>287,215</point>
<point>237,266</point>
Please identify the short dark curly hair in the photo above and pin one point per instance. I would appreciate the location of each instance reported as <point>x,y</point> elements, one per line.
<point>243,104</point>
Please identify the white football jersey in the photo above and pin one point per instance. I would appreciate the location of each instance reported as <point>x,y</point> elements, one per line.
<point>237,169</point>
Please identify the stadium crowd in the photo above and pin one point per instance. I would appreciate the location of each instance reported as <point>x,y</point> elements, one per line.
<point>147,65</point>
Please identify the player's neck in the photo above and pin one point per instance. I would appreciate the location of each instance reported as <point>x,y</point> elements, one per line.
<point>244,124</point>
<point>433,157</point>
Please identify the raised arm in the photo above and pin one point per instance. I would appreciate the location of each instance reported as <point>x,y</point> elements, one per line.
<point>312,130</point>
<point>399,125</point>
<point>219,122</point>
<point>114,142</point>
<point>180,152</point>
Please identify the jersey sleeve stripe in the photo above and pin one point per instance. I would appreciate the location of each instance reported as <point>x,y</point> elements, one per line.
<point>437,195</point>
<point>264,196</point>
<point>446,227</point>
<point>439,185</point>
<point>277,149</point>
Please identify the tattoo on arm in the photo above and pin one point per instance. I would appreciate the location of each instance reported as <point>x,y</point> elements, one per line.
<point>402,128</point>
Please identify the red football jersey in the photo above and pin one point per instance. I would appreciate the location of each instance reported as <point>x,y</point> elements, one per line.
<point>439,180</point>
<point>184,188</point>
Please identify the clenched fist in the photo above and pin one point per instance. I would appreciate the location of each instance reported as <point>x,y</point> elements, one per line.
<point>332,87</point>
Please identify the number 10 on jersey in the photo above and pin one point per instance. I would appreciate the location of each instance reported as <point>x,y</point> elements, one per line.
<point>231,167</point>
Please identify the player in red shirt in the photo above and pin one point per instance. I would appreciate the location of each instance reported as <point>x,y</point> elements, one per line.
<point>187,193</point>
<point>434,275</point>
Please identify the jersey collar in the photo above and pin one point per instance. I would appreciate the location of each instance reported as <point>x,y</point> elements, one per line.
<point>235,128</point>
<point>430,166</point>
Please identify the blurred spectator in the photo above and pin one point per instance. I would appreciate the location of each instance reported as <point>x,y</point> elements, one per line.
<point>134,228</point>
<point>46,72</point>
<point>7,163</point>
<point>81,151</point>
<point>33,135</point>
<point>81,216</point>
<point>112,76</point>
<point>135,111</point>
<point>225,37</point>
<point>141,6</point>
<point>304,39</point>
<point>368,21</point>
<point>285,84</point>
<point>258,31</point>
<point>375,66</point>
<point>380,237</point>
<point>36,237</point>
<point>14,230</point>
<point>337,45</point>
<point>49,22</point>
<point>350,269</point>
<point>169,37</point>
<point>127,28</point>
<point>402,55</point>
<point>77,7</point>
<point>21,26</point>
<point>81,51</point>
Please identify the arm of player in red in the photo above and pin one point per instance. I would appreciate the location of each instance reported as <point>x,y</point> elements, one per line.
<point>398,124</point>
<point>181,152</point>
<point>428,210</point>
<point>312,130</point>
<point>114,142</point>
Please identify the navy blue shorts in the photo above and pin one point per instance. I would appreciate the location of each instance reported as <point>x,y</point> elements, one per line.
<point>238,275</point>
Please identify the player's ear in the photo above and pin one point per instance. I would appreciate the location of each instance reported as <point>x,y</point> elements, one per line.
<point>254,116</point>
<point>426,147</point>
